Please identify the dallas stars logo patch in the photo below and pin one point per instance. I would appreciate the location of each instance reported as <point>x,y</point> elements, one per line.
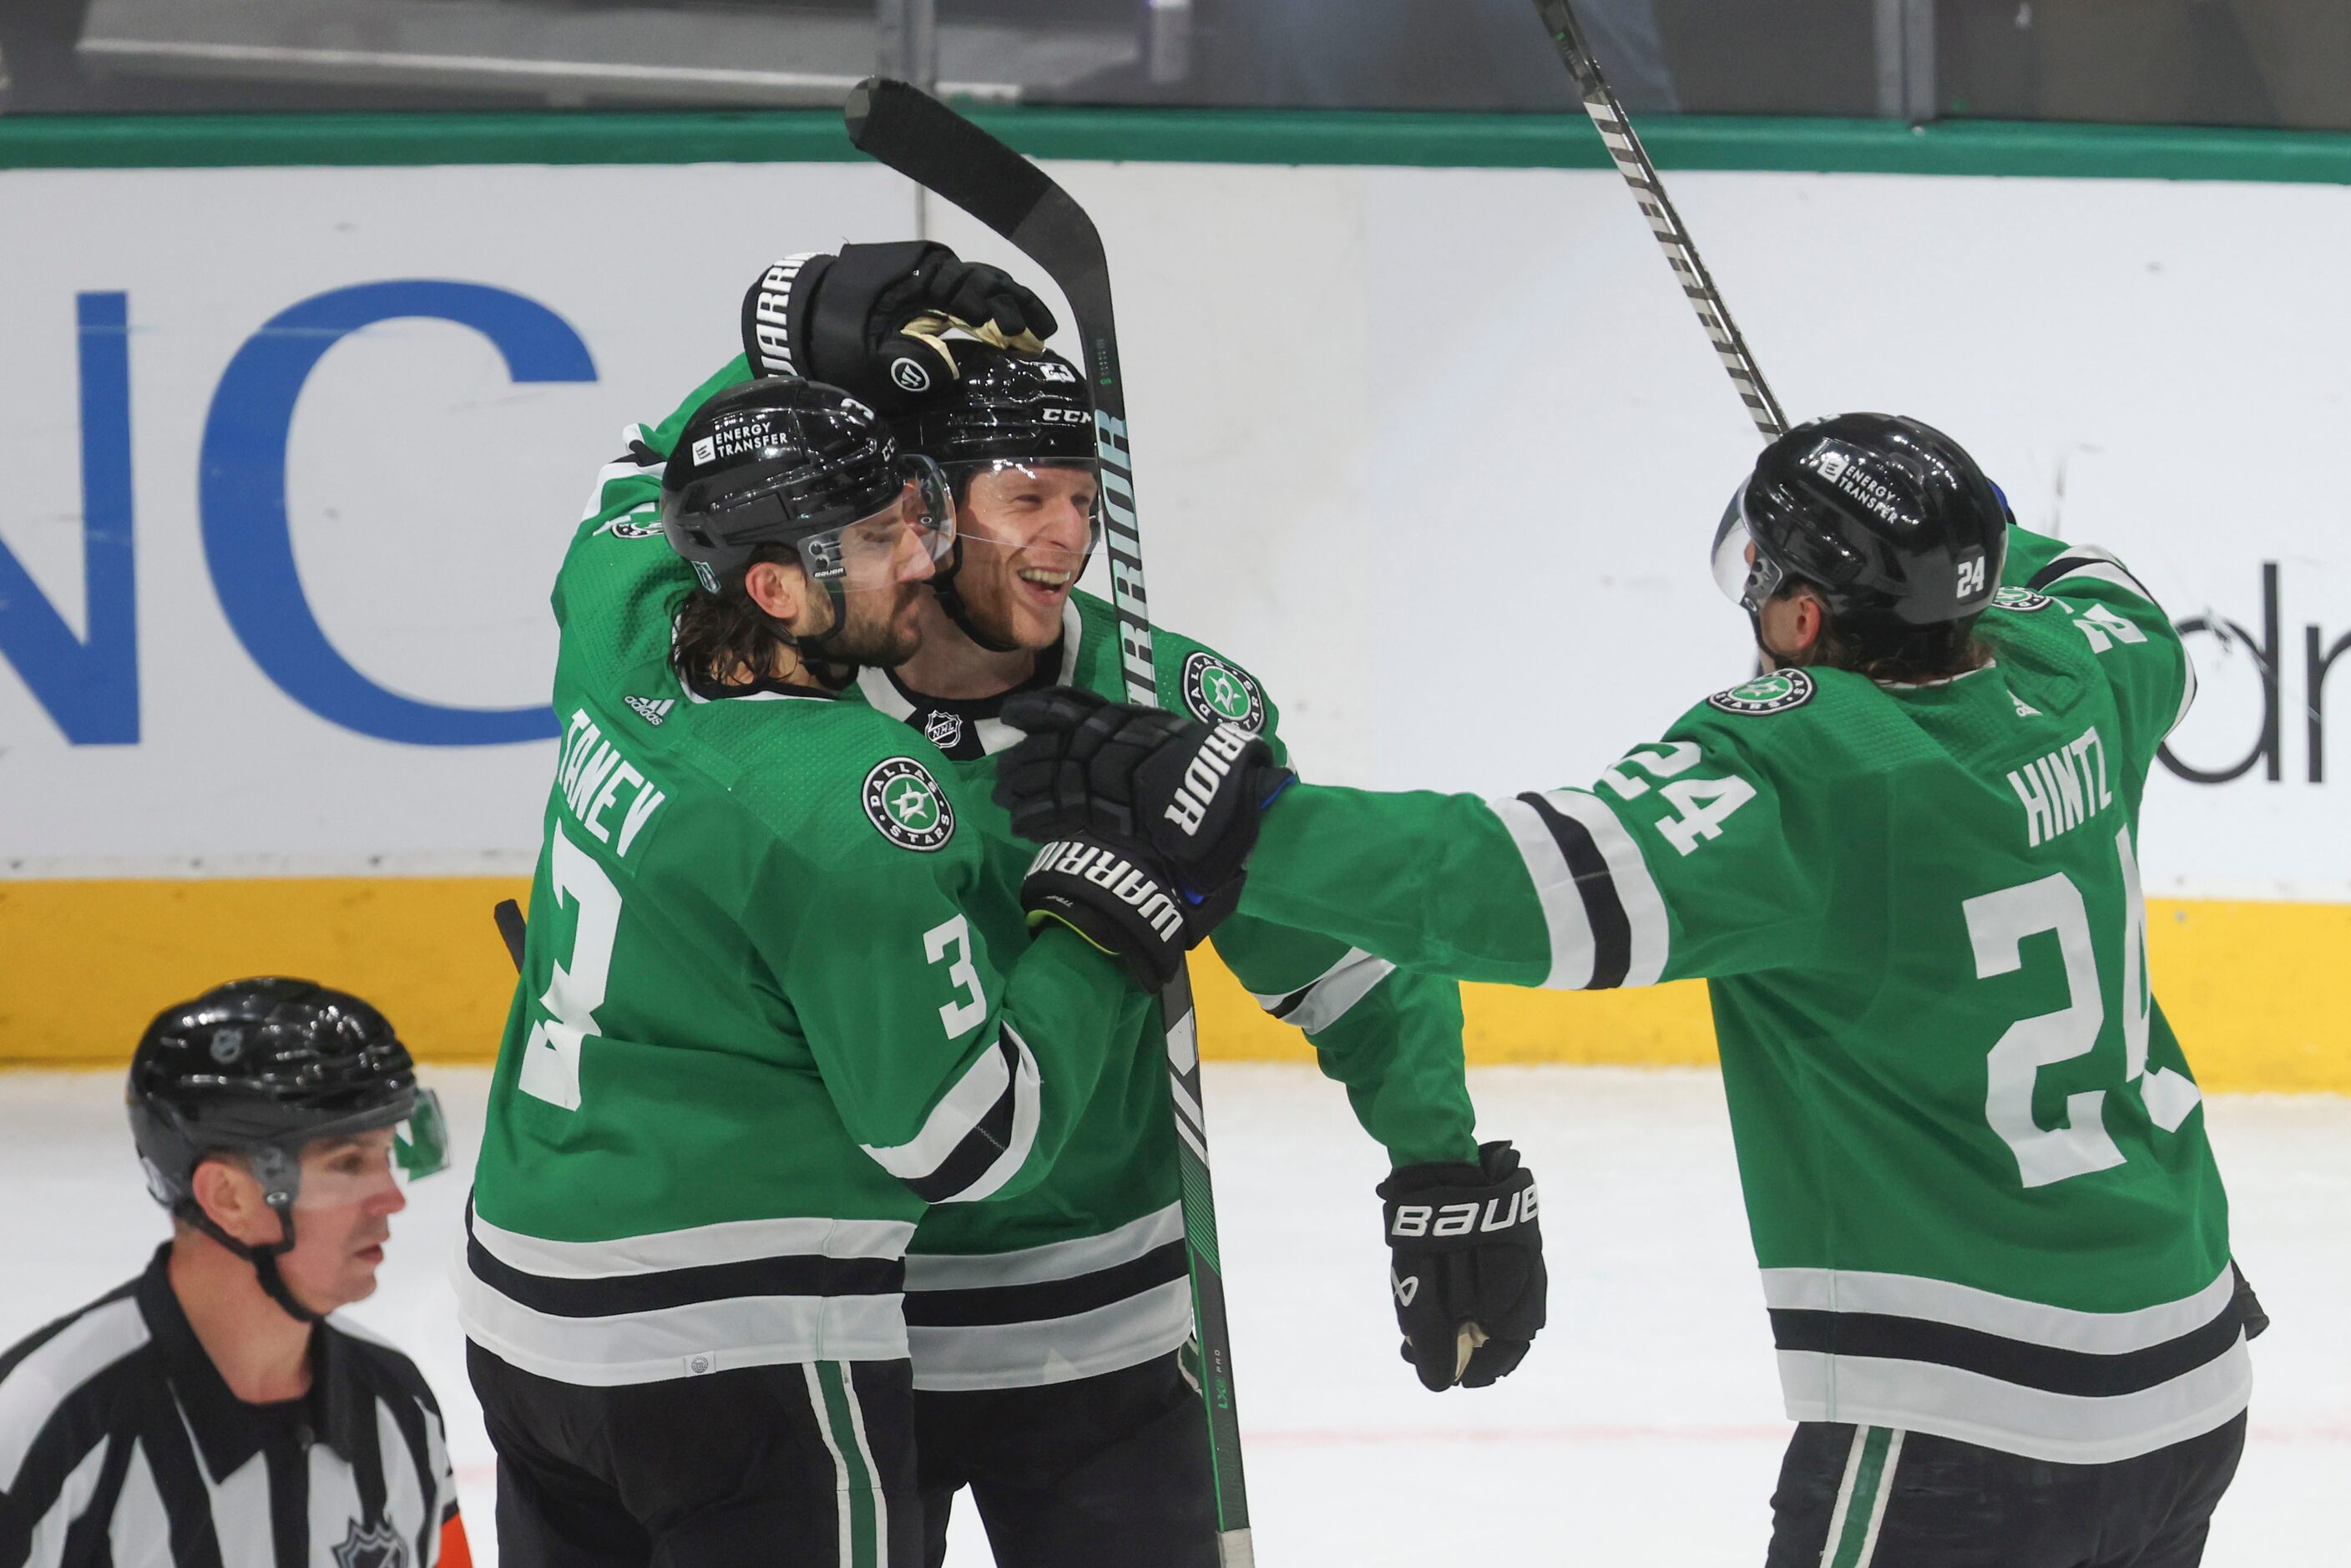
<point>1775,693</point>
<point>1217,693</point>
<point>903,800</point>
<point>2019,599</point>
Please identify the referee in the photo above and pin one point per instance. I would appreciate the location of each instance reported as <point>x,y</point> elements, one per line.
<point>206,1415</point>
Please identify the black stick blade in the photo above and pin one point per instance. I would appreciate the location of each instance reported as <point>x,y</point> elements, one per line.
<point>509,915</point>
<point>901,125</point>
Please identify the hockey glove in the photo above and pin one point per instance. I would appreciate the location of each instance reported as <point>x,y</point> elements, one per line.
<point>1189,794</point>
<point>872,319</point>
<point>1125,908</point>
<point>1466,1267</point>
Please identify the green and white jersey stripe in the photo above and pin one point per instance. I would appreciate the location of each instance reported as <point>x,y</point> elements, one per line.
<point>865,1507</point>
<point>1975,1176</point>
<point>1862,1494</point>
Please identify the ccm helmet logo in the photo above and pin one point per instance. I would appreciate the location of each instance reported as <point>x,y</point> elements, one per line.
<point>1461,1218</point>
<point>1063,416</point>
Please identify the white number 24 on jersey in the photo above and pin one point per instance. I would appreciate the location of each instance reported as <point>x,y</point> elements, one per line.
<point>1998,923</point>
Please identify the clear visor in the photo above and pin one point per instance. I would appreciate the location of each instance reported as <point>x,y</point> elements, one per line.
<point>359,1160</point>
<point>1745,574</point>
<point>870,555</point>
<point>1047,515</point>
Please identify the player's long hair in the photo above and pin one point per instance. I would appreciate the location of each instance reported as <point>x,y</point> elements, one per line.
<point>723,639</point>
<point>1905,655</point>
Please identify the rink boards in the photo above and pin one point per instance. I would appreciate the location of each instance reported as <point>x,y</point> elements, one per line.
<point>294,449</point>
<point>2238,979</point>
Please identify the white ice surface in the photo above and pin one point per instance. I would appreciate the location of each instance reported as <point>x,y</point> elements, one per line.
<point>1646,1427</point>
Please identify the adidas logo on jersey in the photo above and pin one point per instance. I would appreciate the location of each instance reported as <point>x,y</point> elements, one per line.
<point>653,710</point>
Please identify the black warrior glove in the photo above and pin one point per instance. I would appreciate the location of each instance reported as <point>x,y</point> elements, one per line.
<point>1468,1270</point>
<point>1188,794</point>
<point>845,319</point>
<point>1130,913</point>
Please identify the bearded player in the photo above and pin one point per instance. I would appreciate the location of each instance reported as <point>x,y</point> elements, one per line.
<point>1048,1331</point>
<point>769,1014</point>
<point>1993,1241</point>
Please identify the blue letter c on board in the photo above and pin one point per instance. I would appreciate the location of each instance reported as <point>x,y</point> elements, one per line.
<point>249,544</point>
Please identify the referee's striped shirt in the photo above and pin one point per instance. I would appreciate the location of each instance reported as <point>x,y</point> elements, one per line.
<point>121,1445</point>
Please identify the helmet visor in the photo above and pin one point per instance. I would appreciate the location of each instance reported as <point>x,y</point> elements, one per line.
<point>866,556</point>
<point>1047,513</point>
<point>1746,575</point>
<point>349,1162</point>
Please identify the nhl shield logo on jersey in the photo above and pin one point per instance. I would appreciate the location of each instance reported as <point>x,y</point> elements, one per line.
<point>1775,693</point>
<point>2019,599</point>
<point>1217,693</point>
<point>944,729</point>
<point>378,1546</point>
<point>903,801</point>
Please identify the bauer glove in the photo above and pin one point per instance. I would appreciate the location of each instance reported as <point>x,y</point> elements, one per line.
<point>1466,1266</point>
<point>873,319</point>
<point>1121,905</point>
<point>1188,794</point>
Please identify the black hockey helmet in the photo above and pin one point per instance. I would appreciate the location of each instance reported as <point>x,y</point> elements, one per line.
<point>1005,407</point>
<point>260,1068</point>
<point>1887,519</point>
<point>782,461</point>
<point>1004,410</point>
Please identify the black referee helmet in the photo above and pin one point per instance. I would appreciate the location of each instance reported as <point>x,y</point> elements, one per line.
<point>260,1068</point>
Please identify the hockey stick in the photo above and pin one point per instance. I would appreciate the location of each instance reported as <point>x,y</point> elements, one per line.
<point>509,915</point>
<point>1633,162</point>
<point>937,147</point>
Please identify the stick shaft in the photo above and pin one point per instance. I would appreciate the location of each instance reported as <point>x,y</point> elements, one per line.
<point>1633,163</point>
<point>938,149</point>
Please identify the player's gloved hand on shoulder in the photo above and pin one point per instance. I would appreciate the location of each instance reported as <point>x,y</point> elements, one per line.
<point>1189,793</point>
<point>1466,1266</point>
<point>1122,904</point>
<point>872,319</point>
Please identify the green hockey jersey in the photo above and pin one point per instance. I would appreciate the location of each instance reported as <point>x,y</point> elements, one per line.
<point>768,1013</point>
<point>1085,1273</point>
<point>1975,1174</point>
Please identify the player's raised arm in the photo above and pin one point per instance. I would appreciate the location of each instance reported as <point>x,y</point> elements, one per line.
<point>1675,862</point>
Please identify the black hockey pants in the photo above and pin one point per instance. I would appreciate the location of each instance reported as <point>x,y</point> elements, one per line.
<point>1872,1497</point>
<point>1101,1470</point>
<point>807,1464</point>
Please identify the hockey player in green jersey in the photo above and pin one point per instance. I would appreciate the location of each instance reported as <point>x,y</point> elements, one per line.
<point>1046,1329</point>
<point>1993,1241</point>
<point>770,1013</point>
